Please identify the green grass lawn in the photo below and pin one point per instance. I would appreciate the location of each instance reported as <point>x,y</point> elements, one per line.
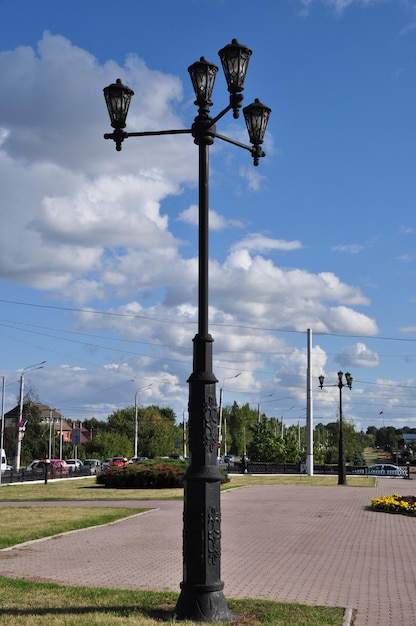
<point>26,603</point>
<point>19,524</point>
<point>87,489</point>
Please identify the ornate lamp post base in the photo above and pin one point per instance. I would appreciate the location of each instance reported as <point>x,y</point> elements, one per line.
<point>207,605</point>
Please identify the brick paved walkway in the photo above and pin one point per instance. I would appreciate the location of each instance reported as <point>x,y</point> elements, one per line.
<point>312,545</point>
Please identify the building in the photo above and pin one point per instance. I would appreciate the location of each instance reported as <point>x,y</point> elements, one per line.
<point>48,415</point>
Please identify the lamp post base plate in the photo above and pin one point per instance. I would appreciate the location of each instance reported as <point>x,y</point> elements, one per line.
<point>199,606</point>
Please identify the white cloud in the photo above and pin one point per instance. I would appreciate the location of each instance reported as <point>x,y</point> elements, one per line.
<point>261,243</point>
<point>216,221</point>
<point>353,248</point>
<point>338,6</point>
<point>357,355</point>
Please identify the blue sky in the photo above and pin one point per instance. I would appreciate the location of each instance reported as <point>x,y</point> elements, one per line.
<point>98,254</point>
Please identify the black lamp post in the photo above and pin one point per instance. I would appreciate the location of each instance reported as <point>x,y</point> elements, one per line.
<point>201,598</point>
<point>342,474</point>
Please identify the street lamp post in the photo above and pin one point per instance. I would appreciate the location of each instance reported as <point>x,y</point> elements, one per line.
<point>21,427</point>
<point>220,421</point>
<point>269,395</point>
<point>3,396</point>
<point>201,598</point>
<point>342,474</point>
<point>136,407</point>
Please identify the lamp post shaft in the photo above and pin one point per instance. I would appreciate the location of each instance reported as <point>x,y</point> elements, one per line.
<point>203,241</point>
<point>201,598</point>
<point>135,426</point>
<point>19,437</point>
<point>342,475</point>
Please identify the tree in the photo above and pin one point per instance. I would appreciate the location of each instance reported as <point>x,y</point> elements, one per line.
<point>290,445</point>
<point>386,438</point>
<point>265,446</point>
<point>122,422</point>
<point>157,432</point>
<point>35,444</point>
<point>108,444</point>
<point>239,421</point>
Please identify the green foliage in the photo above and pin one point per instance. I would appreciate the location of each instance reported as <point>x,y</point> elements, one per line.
<point>291,446</point>
<point>108,444</point>
<point>358,458</point>
<point>265,446</point>
<point>386,437</point>
<point>145,475</point>
<point>157,433</point>
<point>239,420</point>
<point>153,474</point>
<point>36,440</point>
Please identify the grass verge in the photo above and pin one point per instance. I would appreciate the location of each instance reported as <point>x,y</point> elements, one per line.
<point>87,489</point>
<point>21,524</point>
<point>26,603</point>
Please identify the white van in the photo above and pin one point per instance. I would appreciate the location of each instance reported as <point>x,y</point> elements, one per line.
<point>3,460</point>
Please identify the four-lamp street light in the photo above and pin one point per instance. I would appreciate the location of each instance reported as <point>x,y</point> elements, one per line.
<point>342,474</point>
<point>201,598</point>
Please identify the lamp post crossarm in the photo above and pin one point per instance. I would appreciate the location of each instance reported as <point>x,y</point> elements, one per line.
<point>148,133</point>
<point>221,114</point>
<point>233,141</point>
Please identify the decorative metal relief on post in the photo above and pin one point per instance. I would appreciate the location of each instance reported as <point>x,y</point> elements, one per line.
<point>214,535</point>
<point>210,435</point>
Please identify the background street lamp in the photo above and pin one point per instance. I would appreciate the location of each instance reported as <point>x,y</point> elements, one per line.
<point>21,427</point>
<point>3,397</point>
<point>269,395</point>
<point>201,597</point>
<point>135,417</point>
<point>221,421</point>
<point>342,474</point>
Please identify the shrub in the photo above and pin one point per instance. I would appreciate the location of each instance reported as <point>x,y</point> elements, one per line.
<point>156,474</point>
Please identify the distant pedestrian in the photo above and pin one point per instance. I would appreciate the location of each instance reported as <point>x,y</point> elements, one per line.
<point>244,464</point>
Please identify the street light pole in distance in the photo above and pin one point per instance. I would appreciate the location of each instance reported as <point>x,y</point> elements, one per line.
<point>136,407</point>
<point>342,472</point>
<point>221,421</point>
<point>21,427</point>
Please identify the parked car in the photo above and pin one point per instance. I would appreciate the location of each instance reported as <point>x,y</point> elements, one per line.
<point>91,466</point>
<point>75,465</point>
<point>383,469</point>
<point>136,459</point>
<point>178,457</point>
<point>106,463</point>
<point>118,461</point>
<point>28,469</point>
<point>228,458</point>
<point>55,468</point>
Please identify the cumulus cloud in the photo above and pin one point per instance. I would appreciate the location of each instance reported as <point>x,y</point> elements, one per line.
<point>261,243</point>
<point>353,248</point>
<point>216,221</point>
<point>357,355</point>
